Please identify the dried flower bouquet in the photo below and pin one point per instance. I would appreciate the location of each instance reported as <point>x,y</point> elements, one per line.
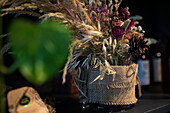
<point>104,34</point>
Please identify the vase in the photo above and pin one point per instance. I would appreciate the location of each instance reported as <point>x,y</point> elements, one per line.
<point>113,93</point>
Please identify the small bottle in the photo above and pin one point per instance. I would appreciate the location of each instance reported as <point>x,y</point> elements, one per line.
<point>157,67</point>
<point>144,71</point>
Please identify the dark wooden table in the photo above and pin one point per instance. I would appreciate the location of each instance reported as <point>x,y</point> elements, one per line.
<point>153,100</point>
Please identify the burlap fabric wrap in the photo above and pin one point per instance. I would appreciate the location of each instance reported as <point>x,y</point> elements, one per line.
<point>118,89</point>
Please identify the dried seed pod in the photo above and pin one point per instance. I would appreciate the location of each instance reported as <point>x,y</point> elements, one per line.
<point>138,46</point>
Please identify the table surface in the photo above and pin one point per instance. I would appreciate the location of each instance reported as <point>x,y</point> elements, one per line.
<point>152,101</point>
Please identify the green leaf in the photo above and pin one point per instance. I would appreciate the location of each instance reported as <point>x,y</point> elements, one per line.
<point>40,50</point>
<point>126,24</point>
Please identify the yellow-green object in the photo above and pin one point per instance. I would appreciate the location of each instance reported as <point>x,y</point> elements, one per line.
<point>2,83</point>
<point>2,94</point>
<point>40,50</point>
<point>24,101</point>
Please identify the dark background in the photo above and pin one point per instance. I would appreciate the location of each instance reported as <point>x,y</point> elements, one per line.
<point>156,16</point>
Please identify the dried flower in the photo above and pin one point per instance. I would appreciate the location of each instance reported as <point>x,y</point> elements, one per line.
<point>123,15</point>
<point>117,23</point>
<point>139,28</point>
<point>98,28</point>
<point>128,36</point>
<point>117,32</point>
<point>104,9</point>
<point>132,23</point>
<point>138,46</point>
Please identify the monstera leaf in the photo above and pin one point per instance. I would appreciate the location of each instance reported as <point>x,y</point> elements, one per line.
<point>40,50</point>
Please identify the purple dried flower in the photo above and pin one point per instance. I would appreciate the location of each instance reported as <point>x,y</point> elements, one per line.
<point>103,15</point>
<point>117,32</point>
<point>132,23</point>
<point>87,6</point>
<point>108,19</point>
<point>104,29</point>
<point>94,18</point>
<point>104,9</point>
<point>91,8</point>
<point>123,15</point>
<point>118,23</point>
<point>97,10</point>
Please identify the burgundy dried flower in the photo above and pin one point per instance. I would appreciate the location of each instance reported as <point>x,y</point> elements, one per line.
<point>117,32</point>
<point>117,23</point>
<point>123,15</point>
<point>91,8</point>
<point>104,9</point>
<point>97,10</point>
<point>132,23</point>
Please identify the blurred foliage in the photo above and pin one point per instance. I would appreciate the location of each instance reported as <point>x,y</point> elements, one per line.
<point>2,82</point>
<point>2,95</point>
<point>40,50</point>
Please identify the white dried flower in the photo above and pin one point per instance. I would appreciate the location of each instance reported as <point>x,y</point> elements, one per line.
<point>139,28</point>
<point>136,22</point>
<point>135,28</point>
